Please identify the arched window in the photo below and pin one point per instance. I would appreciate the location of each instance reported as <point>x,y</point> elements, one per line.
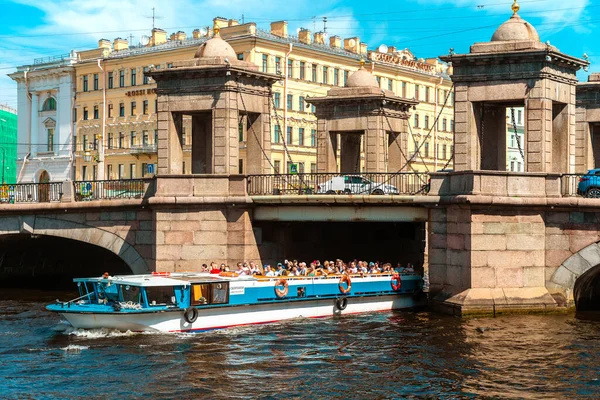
<point>49,104</point>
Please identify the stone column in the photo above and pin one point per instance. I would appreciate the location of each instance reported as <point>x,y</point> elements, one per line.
<point>466,128</point>
<point>170,152</point>
<point>374,140</point>
<point>326,148</point>
<point>257,130</point>
<point>538,119</point>
<point>34,133</point>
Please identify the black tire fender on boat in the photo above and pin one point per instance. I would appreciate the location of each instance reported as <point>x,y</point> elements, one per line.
<point>190,315</point>
<point>341,303</point>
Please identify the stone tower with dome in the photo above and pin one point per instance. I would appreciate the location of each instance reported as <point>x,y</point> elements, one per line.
<point>362,119</point>
<point>222,95</point>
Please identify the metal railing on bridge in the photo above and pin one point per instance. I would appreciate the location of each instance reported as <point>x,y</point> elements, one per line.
<point>407,183</point>
<point>31,192</point>
<point>111,189</point>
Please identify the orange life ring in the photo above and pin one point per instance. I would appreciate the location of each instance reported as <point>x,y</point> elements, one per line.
<point>281,292</point>
<point>396,286</point>
<point>345,278</point>
<point>230,274</point>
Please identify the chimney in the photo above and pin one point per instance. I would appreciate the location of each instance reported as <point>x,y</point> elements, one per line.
<point>180,35</point>
<point>335,42</point>
<point>120,44</point>
<point>233,22</point>
<point>304,36</point>
<point>158,37</point>
<point>352,44</point>
<point>104,44</point>
<point>392,50</point>
<point>279,28</point>
<point>220,22</point>
<point>196,34</point>
<point>319,38</point>
<point>363,48</point>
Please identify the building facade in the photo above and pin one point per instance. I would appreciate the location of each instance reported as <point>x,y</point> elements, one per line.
<point>45,101</point>
<point>115,108</point>
<point>8,144</point>
<point>515,139</point>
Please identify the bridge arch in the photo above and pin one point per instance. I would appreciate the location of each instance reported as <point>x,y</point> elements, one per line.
<point>579,278</point>
<point>56,227</point>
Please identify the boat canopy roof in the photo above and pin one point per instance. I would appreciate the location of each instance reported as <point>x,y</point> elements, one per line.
<point>172,279</point>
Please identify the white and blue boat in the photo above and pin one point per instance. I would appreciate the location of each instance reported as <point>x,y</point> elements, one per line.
<point>193,302</point>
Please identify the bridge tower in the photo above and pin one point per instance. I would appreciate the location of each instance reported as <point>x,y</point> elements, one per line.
<point>588,124</point>
<point>361,118</point>
<point>488,248</point>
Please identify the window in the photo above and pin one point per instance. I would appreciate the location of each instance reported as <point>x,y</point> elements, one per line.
<point>132,171</point>
<point>427,94</point>
<point>301,103</point>
<point>156,136</point>
<point>444,125</point>
<point>427,122</point>
<point>131,293</point>
<point>50,133</point>
<point>49,104</point>
<point>265,62</point>
<point>145,138</point>
<point>121,172</point>
<point>300,167</point>
<point>85,83</point>
<point>84,173</point>
<point>451,150</point>
<point>85,143</point>
<point>122,78</point>
<point>240,166</point>
<point>95,81</point>
<point>302,69</point>
<point>278,65</point>
<point>378,79</point>
<point>336,77</point>
<point>85,113</point>
<point>416,120</point>
<point>96,112</point>
<point>133,108</point>
<point>183,167</point>
<point>313,137</point>
<point>346,78</point>
<point>390,84</point>
<point>146,78</point>
<point>240,56</point>
<point>520,117</point>
<point>133,77</point>
<point>110,140</point>
<point>110,80</point>
<point>109,171</point>
<point>95,143</point>
<point>144,169</point>
<point>132,137</point>
<point>121,140</point>
<point>290,102</point>
<point>74,115</point>
<point>210,293</point>
<point>290,64</point>
<point>404,89</point>
<point>313,168</point>
<point>169,65</point>
<point>451,125</point>
<point>276,166</point>
<point>277,99</point>
<point>290,134</point>
<point>314,73</point>
<point>325,75</point>
<point>300,136</point>
<point>277,134</point>
<point>444,154</point>
<point>94,172</point>
<point>121,109</point>
<point>417,92</point>
<point>145,107</point>
<point>426,149</point>
<point>512,165</point>
<point>110,111</point>
<point>160,295</point>
<point>241,130</point>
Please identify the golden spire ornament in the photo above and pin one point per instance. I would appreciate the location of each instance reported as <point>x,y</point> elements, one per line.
<point>515,7</point>
<point>362,63</point>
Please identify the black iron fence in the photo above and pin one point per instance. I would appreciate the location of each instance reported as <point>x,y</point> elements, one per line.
<point>111,189</point>
<point>31,192</point>
<point>334,183</point>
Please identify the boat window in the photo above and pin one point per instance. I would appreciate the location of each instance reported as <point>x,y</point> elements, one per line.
<point>160,295</point>
<point>220,293</point>
<point>107,291</point>
<point>200,293</point>
<point>130,293</point>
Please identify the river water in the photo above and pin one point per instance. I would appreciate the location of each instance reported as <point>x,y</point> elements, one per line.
<point>381,355</point>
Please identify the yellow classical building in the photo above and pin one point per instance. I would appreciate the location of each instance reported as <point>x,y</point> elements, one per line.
<point>115,107</point>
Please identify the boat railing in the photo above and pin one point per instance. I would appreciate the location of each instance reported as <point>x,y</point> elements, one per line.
<point>331,276</point>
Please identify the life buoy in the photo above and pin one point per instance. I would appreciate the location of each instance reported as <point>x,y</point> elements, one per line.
<point>341,303</point>
<point>281,292</point>
<point>190,315</point>
<point>396,286</point>
<point>345,278</point>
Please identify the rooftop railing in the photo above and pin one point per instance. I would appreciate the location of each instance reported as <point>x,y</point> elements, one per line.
<point>405,183</point>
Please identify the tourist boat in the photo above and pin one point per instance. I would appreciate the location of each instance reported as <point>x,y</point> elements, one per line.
<point>192,302</point>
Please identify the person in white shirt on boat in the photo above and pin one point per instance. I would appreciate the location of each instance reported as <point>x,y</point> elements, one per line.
<point>294,272</point>
<point>269,271</point>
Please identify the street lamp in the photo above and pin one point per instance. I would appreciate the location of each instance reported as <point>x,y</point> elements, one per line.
<point>87,156</point>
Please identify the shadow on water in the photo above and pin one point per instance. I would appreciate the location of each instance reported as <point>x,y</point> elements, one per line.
<point>377,356</point>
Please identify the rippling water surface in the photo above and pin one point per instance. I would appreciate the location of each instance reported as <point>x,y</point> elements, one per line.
<point>369,356</point>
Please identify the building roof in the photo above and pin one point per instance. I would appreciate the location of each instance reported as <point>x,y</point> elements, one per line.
<point>362,78</point>
<point>516,28</point>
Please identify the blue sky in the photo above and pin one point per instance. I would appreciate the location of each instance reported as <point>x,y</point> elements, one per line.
<point>34,28</point>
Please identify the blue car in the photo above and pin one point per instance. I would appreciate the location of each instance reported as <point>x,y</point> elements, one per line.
<point>589,184</point>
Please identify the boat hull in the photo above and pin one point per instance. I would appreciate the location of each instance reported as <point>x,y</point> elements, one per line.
<point>224,317</point>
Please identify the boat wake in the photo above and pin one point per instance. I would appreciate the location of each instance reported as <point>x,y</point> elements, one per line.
<point>99,333</point>
<point>75,348</point>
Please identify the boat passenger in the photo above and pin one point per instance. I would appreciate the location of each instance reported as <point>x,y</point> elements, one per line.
<point>302,268</point>
<point>310,271</point>
<point>105,275</point>
<point>214,269</point>
<point>279,270</point>
<point>409,269</point>
<point>269,271</point>
<point>294,272</point>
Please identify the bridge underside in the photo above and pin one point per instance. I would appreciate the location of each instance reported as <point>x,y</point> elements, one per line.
<point>341,213</point>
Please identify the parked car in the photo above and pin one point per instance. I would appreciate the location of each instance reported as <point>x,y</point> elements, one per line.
<point>355,184</point>
<point>589,184</point>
